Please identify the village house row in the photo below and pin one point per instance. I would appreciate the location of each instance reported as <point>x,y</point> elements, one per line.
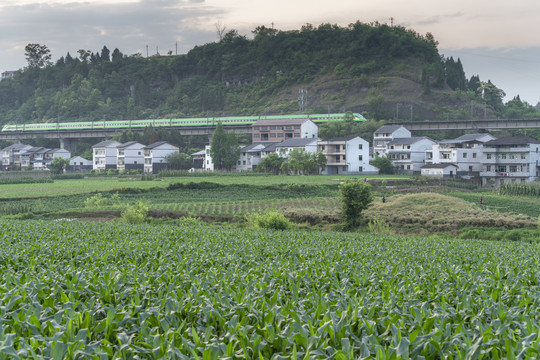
<point>494,161</point>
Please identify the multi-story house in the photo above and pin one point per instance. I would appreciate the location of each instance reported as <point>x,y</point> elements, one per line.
<point>104,155</point>
<point>11,155</point>
<point>408,155</point>
<point>130,156</point>
<point>250,157</point>
<point>383,135</point>
<point>29,157</point>
<point>52,154</point>
<point>306,144</point>
<point>465,152</point>
<point>346,155</point>
<point>39,162</point>
<point>510,160</point>
<point>283,129</point>
<point>155,156</point>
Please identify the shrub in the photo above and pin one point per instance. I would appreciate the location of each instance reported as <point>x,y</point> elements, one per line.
<point>98,200</point>
<point>355,197</point>
<point>135,214</point>
<point>269,220</point>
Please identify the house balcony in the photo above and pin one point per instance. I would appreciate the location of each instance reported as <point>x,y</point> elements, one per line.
<point>516,160</point>
<point>336,163</point>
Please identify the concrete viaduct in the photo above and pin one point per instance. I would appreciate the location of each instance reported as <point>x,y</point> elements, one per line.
<point>68,138</point>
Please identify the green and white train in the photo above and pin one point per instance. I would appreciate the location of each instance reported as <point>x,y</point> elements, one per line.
<point>168,123</point>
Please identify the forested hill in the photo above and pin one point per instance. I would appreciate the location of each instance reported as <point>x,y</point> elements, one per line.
<point>374,69</point>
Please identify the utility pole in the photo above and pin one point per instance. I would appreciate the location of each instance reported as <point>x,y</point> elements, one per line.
<point>146,50</point>
<point>302,99</point>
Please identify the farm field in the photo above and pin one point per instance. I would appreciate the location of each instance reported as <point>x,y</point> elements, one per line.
<point>93,290</point>
<point>104,184</point>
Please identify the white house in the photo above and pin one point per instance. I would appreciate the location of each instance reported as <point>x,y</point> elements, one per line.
<point>383,135</point>
<point>512,159</point>
<point>307,144</point>
<point>130,156</point>
<point>80,164</point>
<point>104,155</point>
<point>11,155</point>
<point>439,170</point>
<point>408,155</point>
<point>250,156</point>
<point>464,151</point>
<point>346,155</point>
<point>155,156</point>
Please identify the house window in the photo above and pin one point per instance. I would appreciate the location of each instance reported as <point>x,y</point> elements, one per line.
<point>272,128</point>
<point>503,156</point>
<point>244,162</point>
<point>337,158</point>
<point>488,156</point>
<point>488,168</point>
<point>500,168</point>
<point>255,128</point>
<point>256,136</point>
<point>360,157</point>
<point>322,147</point>
<point>360,169</point>
<point>513,168</point>
<point>288,127</point>
<point>359,146</point>
<point>408,146</point>
<point>297,127</point>
<point>464,155</point>
<point>273,135</point>
<point>523,156</point>
<point>408,167</point>
<point>511,156</point>
<point>296,135</point>
<point>280,135</point>
<point>344,168</point>
<point>474,155</point>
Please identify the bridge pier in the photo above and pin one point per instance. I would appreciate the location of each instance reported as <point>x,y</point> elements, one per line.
<point>68,144</point>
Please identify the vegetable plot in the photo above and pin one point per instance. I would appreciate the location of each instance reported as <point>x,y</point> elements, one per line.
<point>105,290</point>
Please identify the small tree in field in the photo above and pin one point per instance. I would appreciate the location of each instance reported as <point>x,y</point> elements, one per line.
<point>355,198</point>
<point>58,165</point>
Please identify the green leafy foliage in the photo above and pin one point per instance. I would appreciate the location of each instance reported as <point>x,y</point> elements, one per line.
<point>224,148</point>
<point>113,290</point>
<point>355,197</point>
<point>136,213</point>
<point>269,219</point>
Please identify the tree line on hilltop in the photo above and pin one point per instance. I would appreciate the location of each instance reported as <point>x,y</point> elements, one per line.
<point>233,76</point>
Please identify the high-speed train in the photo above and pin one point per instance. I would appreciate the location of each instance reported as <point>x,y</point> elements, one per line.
<point>169,123</point>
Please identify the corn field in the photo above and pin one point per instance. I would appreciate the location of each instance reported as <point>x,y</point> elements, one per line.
<point>75,290</point>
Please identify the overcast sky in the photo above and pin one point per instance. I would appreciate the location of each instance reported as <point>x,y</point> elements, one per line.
<point>495,39</point>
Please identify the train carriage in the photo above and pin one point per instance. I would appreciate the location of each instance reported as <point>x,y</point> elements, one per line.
<point>209,121</point>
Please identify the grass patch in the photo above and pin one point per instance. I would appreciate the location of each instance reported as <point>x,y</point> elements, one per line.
<point>425,213</point>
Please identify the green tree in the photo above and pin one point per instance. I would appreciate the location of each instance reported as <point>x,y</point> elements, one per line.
<point>58,165</point>
<point>179,161</point>
<point>37,55</point>
<point>224,148</point>
<point>384,164</point>
<point>356,196</point>
<point>271,163</point>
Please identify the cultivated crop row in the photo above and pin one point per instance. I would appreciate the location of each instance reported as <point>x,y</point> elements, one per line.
<point>82,290</point>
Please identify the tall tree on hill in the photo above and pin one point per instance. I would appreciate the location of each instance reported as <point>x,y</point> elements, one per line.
<point>37,55</point>
<point>224,148</point>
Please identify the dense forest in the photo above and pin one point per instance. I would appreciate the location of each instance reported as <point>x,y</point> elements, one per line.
<point>368,68</point>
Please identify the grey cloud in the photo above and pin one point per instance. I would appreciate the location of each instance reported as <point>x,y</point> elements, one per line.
<point>127,26</point>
